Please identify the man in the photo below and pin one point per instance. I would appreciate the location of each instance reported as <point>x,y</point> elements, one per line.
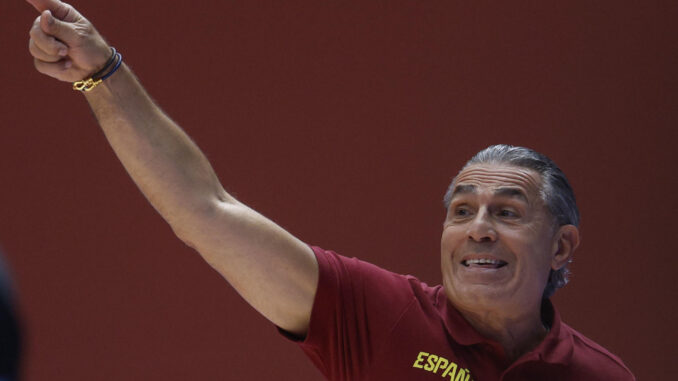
<point>509,233</point>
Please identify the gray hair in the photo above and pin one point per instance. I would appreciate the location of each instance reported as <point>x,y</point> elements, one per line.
<point>555,191</point>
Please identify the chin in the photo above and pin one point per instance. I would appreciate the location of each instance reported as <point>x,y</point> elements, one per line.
<point>483,294</point>
<point>479,296</point>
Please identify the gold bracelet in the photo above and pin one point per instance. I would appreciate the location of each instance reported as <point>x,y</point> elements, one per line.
<point>86,85</point>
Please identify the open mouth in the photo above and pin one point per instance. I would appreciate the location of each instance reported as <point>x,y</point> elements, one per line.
<point>484,263</point>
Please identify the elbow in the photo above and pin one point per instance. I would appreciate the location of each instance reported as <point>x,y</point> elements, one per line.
<point>196,224</point>
<point>193,220</point>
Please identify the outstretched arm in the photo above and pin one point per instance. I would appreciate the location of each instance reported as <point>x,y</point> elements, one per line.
<point>274,271</point>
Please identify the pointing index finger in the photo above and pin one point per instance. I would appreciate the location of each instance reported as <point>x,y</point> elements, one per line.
<point>58,9</point>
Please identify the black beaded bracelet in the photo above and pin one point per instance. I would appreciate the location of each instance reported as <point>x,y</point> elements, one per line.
<point>98,77</point>
<point>101,72</point>
<point>118,61</point>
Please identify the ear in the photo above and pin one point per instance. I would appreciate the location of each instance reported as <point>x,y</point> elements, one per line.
<point>566,241</point>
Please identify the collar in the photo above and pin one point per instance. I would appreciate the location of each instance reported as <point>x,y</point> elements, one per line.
<point>556,348</point>
<point>558,345</point>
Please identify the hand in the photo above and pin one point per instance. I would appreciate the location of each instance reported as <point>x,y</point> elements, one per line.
<point>64,44</point>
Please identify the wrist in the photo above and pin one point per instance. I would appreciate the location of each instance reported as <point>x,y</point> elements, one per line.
<point>101,68</point>
<point>109,67</point>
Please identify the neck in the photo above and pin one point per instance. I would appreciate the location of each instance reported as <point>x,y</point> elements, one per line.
<point>516,334</point>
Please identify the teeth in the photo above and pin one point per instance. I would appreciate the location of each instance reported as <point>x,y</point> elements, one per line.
<point>482,261</point>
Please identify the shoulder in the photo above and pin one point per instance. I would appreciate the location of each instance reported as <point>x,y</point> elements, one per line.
<point>378,284</point>
<point>591,358</point>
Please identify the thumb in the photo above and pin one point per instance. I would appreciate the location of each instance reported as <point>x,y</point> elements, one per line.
<point>62,11</point>
<point>54,27</point>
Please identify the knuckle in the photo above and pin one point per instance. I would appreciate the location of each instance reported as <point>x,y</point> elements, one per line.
<point>50,28</point>
<point>85,29</point>
<point>36,51</point>
<point>51,46</point>
<point>69,9</point>
<point>31,46</point>
<point>35,30</point>
<point>82,34</point>
<point>36,45</point>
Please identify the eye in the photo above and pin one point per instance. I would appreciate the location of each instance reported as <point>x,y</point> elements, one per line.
<point>462,211</point>
<point>507,213</point>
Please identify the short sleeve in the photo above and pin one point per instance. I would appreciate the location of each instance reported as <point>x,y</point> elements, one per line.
<point>356,306</point>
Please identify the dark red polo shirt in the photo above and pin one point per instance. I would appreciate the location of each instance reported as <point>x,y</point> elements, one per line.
<point>371,324</point>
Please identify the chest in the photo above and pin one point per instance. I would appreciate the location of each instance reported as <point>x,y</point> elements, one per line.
<point>421,349</point>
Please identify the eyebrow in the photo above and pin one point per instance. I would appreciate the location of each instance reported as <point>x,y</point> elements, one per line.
<point>502,192</point>
<point>463,189</point>
<point>512,193</point>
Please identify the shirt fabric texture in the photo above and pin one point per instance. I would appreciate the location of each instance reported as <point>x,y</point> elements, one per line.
<point>371,324</point>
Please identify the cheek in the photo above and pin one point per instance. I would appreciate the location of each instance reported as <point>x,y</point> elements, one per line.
<point>450,239</point>
<point>536,253</point>
<point>530,249</point>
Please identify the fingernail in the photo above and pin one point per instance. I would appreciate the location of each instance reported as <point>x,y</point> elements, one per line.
<point>68,64</point>
<point>63,52</point>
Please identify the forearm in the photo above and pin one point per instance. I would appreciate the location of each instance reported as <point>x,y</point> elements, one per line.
<point>256,256</point>
<point>166,165</point>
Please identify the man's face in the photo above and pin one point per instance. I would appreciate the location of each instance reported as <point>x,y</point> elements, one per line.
<point>498,241</point>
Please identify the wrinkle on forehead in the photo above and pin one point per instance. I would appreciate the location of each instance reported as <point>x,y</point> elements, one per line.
<point>498,175</point>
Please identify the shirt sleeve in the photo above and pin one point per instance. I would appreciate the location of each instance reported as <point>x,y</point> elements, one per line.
<point>355,308</point>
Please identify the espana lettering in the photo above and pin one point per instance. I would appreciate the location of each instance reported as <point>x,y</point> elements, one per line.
<point>438,364</point>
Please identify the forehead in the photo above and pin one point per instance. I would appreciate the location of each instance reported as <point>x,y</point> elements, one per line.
<point>493,177</point>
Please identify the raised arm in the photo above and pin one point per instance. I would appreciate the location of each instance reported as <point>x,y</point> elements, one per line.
<point>274,271</point>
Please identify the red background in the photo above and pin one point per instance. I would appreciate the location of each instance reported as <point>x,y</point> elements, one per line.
<point>343,122</point>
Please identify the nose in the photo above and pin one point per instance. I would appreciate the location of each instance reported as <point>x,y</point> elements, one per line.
<point>480,229</point>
